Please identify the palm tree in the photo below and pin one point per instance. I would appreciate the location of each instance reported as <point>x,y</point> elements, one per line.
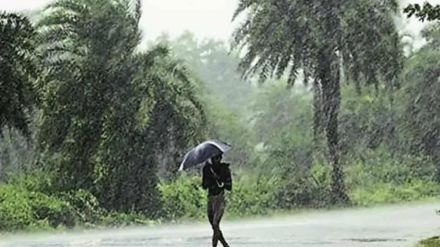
<point>427,12</point>
<point>84,45</point>
<point>102,101</point>
<point>17,71</point>
<point>322,38</point>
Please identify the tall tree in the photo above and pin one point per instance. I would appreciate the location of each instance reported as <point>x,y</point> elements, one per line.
<point>321,38</point>
<point>17,71</point>
<point>85,45</point>
<point>108,109</point>
<point>420,98</point>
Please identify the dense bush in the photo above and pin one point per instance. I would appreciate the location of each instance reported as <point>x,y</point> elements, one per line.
<point>15,210</point>
<point>380,177</point>
<point>85,206</point>
<point>252,196</point>
<point>183,198</point>
<point>31,201</point>
<point>22,209</point>
<point>390,193</point>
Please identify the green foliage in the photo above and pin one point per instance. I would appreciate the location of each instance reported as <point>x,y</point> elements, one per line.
<point>47,203</point>
<point>276,108</point>
<point>53,210</point>
<point>233,128</point>
<point>368,120</point>
<point>252,196</point>
<point>297,32</point>
<point>381,166</point>
<point>380,177</point>
<point>282,123</point>
<point>183,198</point>
<point>86,62</point>
<point>421,105</point>
<point>37,180</point>
<point>115,122</point>
<point>430,242</point>
<point>22,209</point>
<point>390,193</point>
<point>15,212</point>
<point>30,202</point>
<point>17,71</point>
<point>109,111</point>
<point>427,12</point>
<point>305,189</point>
<point>85,206</point>
<point>225,95</point>
<point>322,39</point>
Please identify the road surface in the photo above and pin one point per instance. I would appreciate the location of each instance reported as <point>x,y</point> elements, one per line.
<point>391,226</point>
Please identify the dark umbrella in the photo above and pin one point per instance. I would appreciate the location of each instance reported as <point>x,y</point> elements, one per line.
<point>203,152</point>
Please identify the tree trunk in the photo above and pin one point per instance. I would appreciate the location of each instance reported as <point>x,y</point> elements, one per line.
<point>331,92</point>
<point>436,161</point>
<point>317,113</point>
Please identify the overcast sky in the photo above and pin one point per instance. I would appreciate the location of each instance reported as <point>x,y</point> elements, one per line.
<point>205,18</point>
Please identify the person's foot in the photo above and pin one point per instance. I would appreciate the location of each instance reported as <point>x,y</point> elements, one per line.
<point>224,243</point>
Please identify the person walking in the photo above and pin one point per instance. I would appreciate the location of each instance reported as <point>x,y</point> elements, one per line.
<point>216,178</point>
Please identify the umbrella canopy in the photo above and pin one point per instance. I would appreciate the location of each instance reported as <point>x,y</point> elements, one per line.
<point>203,152</point>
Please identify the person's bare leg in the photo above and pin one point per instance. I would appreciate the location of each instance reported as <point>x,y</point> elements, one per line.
<point>211,214</point>
<point>219,209</point>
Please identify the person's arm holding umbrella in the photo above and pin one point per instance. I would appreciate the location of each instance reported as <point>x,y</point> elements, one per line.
<point>210,179</point>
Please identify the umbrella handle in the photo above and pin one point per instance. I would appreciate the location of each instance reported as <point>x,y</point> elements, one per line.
<point>215,174</point>
<point>219,184</point>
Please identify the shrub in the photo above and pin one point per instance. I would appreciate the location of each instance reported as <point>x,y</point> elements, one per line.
<point>390,193</point>
<point>252,196</point>
<point>182,198</point>
<point>85,205</point>
<point>380,177</point>
<point>55,211</point>
<point>430,242</point>
<point>15,209</point>
<point>22,209</point>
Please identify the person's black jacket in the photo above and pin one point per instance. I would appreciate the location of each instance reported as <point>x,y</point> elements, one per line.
<point>216,178</point>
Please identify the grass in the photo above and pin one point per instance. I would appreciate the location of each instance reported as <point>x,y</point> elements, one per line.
<point>430,242</point>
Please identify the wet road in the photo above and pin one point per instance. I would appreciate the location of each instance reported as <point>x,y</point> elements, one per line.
<point>384,227</point>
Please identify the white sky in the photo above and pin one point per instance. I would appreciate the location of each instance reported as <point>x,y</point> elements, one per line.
<point>205,18</point>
